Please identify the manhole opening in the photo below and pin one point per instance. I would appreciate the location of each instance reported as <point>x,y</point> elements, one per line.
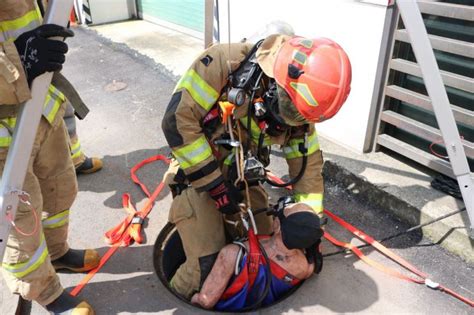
<point>168,255</point>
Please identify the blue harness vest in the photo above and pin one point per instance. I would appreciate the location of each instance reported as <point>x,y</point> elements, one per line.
<point>248,285</point>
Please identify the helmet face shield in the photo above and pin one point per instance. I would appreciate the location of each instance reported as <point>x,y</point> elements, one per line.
<point>287,109</point>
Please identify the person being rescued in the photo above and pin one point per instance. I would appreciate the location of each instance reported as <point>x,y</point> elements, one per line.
<point>240,278</point>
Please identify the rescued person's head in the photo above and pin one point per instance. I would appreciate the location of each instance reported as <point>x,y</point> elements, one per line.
<point>299,226</point>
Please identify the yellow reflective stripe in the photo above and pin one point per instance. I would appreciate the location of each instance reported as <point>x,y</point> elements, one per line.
<point>255,131</point>
<point>13,28</point>
<point>5,136</point>
<point>21,21</point>
<point>76,149</point>
<point>228,159</point>
<point>292,150</point>
<point>315,201</point>
<point>303,90</point>
<point>52,102</point>
<point>204,94</point>
<point>22,269</point>
<point>56,220</point>
<point>193,153</point>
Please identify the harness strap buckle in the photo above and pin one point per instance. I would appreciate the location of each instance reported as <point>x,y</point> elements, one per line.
<point>288,278</point>
<point>137,220</point>
<point>431,284</point>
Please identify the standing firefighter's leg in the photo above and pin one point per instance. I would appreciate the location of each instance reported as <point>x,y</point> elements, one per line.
<point>57,179</point>
<point>201,229</point>
<point>26,265</point>
<point>77,155</point>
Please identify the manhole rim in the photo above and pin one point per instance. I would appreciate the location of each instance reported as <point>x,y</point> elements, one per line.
<point>158,250</point>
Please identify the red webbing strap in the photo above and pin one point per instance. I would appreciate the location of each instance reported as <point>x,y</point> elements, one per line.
<point>92,273</point>
<point>369,261</point>
<point>125,232</point>
<point>394,257</point>
<point>382,249</point>
<point>253,261</point>
<point>133,171</point>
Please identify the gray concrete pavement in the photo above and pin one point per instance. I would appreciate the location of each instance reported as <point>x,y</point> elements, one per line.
<point>123,128</point>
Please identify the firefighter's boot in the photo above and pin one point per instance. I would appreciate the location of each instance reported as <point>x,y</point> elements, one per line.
<point>68,304</point>
<point>90,165</point>
<point>77,260</point>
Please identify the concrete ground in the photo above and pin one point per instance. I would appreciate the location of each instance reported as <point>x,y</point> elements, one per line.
<point>124,128</point>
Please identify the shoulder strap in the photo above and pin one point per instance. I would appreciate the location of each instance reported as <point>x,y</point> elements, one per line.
<point>253,257</point>
<point>242,76</point>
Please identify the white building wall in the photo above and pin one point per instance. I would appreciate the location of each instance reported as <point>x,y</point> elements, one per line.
<point>356,25</point>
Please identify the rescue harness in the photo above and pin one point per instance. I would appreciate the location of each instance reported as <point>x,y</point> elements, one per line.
<point>257,280</point>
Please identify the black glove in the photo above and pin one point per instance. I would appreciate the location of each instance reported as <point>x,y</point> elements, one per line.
<point>227,198</point>
<point>38,53</point>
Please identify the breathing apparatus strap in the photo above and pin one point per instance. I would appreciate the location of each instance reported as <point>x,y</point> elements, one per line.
<point>303,148</point>
<point>241,77</point>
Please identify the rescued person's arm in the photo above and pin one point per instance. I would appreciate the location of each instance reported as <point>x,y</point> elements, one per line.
<point>217,280</point>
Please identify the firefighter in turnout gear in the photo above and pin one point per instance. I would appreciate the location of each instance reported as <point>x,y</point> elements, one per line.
<point>234,102</point>
<point>37,245</point>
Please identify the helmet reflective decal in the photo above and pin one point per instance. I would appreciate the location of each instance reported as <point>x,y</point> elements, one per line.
<point>299,57</point>
<point>303,90</point>
<point>306,43</point>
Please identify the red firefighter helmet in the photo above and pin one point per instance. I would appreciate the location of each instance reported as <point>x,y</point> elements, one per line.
<point>314,73</point>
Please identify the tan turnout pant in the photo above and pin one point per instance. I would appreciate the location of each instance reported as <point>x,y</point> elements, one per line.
<point>77,155</point>
<point>202,229</point>
<point>51,182</point>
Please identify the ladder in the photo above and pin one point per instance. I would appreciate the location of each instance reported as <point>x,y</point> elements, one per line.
<point>24,134</point>
<point>425,57</point>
